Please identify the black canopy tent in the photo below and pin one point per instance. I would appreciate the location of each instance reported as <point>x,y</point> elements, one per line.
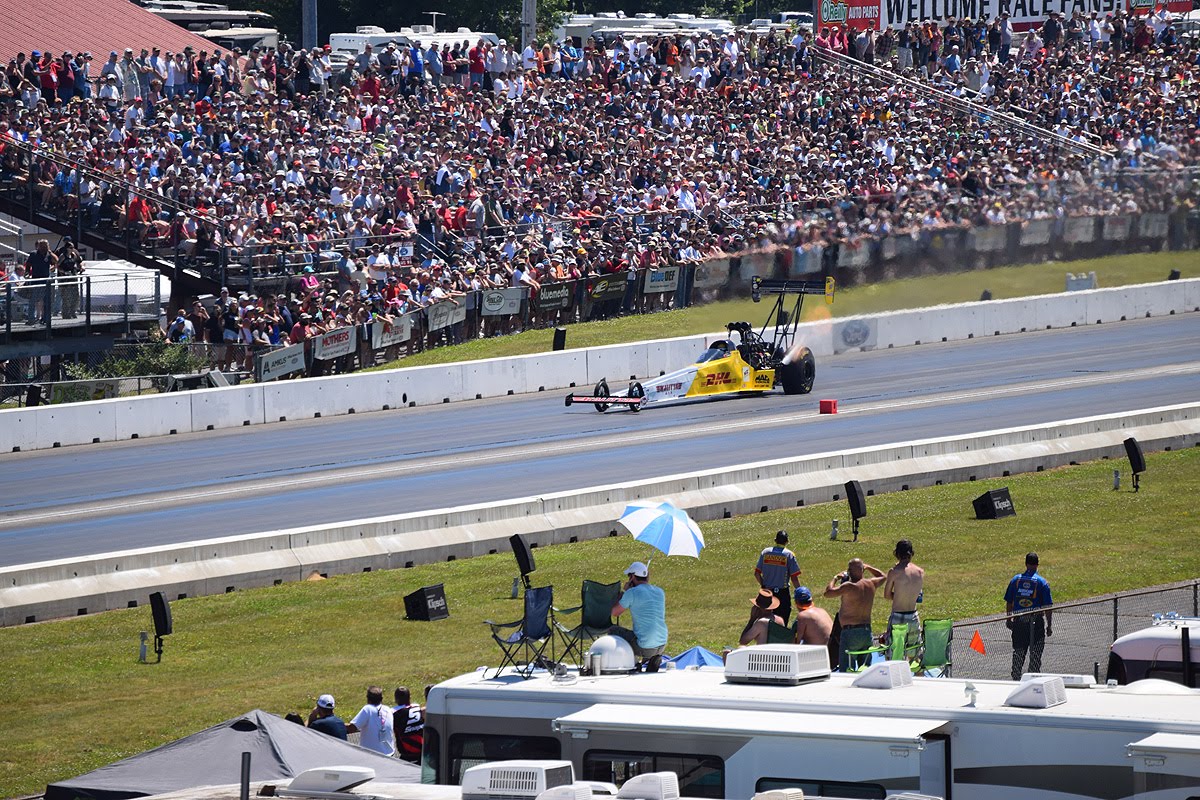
<point>279,750</point>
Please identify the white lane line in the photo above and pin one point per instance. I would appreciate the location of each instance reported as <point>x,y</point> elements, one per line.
<point>638,437</point>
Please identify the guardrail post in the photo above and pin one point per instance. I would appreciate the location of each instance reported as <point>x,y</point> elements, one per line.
<point>88,310</point>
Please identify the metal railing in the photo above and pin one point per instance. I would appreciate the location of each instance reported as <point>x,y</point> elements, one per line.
<point>69,301</point>
<point>1083,630</point>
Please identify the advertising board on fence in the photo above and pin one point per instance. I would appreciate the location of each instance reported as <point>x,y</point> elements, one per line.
<point>1116,229</point>
<point>404,254</point>
<point>756,264</point>
<point>335,344</point>
<point>608,287</point>
<point>1152,226</point>
<point>502,302</point>
<point>1079,230</point>
<point>445,313</point>
<point>711,274</point>
<point>1037,231</point>
<point>277,363</point>
<point>988,238</point>
<point>1025,14</point>
<point>858,15</point>
<point>385,334</point>
<point>82,391</point>
<point>556,296</point>
<point>659,281</point>
<point>807,259</point>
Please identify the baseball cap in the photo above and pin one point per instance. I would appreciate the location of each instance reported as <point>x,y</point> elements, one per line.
<point>637,569</point>
<point>803,595</point>
<point>325,701</point>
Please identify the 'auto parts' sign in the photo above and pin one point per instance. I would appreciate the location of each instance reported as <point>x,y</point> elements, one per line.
<point>856,14</point>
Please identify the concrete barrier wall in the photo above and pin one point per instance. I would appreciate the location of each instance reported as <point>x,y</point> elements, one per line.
<point>115,580</point>
<point>256,404</point>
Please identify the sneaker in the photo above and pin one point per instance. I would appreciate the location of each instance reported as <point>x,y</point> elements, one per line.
<point>653,664</point>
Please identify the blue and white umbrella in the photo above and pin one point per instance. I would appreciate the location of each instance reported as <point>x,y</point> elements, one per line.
<point>665,527</point>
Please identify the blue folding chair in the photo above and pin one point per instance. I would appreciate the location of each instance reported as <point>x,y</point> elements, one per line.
<point>525,641</point>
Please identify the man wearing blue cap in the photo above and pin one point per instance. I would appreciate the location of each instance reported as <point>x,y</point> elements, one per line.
<point>813,623</point>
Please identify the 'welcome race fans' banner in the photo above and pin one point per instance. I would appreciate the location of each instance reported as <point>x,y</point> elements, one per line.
<point>878,14</point>
<point>335,344</point>
<point>277,363</point>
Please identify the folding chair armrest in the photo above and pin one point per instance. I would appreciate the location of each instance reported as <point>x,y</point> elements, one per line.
<point>572,610</point>
<point>498,625</point>
<point>868,651</point>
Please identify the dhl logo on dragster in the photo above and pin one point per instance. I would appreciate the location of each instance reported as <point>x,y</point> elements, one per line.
<point>717,379</point>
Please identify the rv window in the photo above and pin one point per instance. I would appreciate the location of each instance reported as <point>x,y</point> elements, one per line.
<point>851,791</point>
<point>431,751</point>
<point>699,776</point>
<point>1171,673</point>
<point>468,750</point>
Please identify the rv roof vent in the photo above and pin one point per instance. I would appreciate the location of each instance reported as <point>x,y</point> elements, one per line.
<point>515,780</point>
<point>1038,693</point>
<point>330,779</point>
<point>1069,681</point>
<point>888,675</point>
<point>601,788</point>
<point>778,663</point>
<point>780,794</point>
<point>571,791</point>
<point>651,786</point>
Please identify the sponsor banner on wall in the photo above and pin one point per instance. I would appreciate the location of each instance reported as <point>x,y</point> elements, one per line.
<point>1152,226</point>
<point>756,264</point>
<point>1116,229</point>
<point>988,239</point>
<point>1037,231</point>
<point>278,363</point>
<point>660,281</point>
<point>1024,14</point>
<point>856,255</point>
<point>856,14</point>
<point>855,333</point>
<point>385,334</point>
<point>806,260</point>
<point>712,274</point>
<point>1078,230</point>
<point>335,344</point>
<point>608,287</point>
<point>445,313</point>
<point>83,391</point>
<point>501,302</point>
<point>556,296</point>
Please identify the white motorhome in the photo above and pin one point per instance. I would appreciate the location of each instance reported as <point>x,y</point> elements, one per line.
<point>581,26</point>
<point>349,44</point>
<point>1159,652</point>
<point>776,718</point>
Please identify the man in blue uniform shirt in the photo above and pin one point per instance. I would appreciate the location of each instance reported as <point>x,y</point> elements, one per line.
<point>776,569</point>
<point>1028,596</point>
<point>648,604</point>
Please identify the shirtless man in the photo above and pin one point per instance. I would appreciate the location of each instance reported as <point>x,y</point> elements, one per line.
<point>903,586</point>
<point>857,594</point>
<point>813,623</point>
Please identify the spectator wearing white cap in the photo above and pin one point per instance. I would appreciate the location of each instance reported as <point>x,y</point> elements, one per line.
<point>322,718</point>
<point>648,604</point>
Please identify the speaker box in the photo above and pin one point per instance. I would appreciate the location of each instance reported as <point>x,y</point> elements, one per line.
<point>856,498</point>
<point>161,610</point>
<point>523,553</point>
<point>994,504</point>
<point>427,604</point>
<point>1137,461</point>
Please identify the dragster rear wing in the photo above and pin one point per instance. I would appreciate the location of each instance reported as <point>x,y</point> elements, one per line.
<point>776,286</point>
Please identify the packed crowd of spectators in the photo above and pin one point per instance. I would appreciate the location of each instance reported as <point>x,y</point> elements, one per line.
<point>512,168</point>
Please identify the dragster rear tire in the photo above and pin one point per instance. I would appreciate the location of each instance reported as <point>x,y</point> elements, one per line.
<point>798,375</point>
<point>601,390</point>
<point>636,390</point>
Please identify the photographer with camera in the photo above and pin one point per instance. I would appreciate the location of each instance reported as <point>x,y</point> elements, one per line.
<point>857,595</point>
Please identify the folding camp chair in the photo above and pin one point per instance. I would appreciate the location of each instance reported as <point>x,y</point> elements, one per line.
<point>525,641</point>
<point>780,634</point>
<point>898,649</point>
<point>935,654</point>
<point>595,618</point>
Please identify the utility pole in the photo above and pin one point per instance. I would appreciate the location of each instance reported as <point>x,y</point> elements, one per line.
<point>528,22</point>
<point>308,24</point>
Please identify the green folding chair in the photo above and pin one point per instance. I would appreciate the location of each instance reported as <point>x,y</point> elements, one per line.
<point>898,649</point>
<point>595,618</point>
<point>780,634</point>
<point>935,654</point>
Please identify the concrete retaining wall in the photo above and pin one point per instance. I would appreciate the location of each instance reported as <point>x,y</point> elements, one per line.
<point>115,580</point>
<point>256,404</point>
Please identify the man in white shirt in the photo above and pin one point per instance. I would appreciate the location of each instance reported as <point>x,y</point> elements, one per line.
<point>374,722</point>
<point>529,60</point>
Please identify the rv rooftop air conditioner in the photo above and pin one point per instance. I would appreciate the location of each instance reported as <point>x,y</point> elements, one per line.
<point>369,30</point>
<point>328,779</point>
<point>787,664</point>
<point>1038,693</point>
<point>888,675</point>
<point>790,793</point>
<point>1069,681</point>
<point>650,786</point>
<point>515,780</point>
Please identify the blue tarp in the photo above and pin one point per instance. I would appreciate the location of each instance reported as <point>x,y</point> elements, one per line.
<point>697,657</point>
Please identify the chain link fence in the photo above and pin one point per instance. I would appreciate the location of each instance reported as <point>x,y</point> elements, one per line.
<point>1083,630</point>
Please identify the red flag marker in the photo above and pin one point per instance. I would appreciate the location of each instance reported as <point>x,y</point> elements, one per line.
<point>977,644</point>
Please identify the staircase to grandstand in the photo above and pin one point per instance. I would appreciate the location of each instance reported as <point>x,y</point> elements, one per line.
<point>28,192</point>
<point>945,100</point>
